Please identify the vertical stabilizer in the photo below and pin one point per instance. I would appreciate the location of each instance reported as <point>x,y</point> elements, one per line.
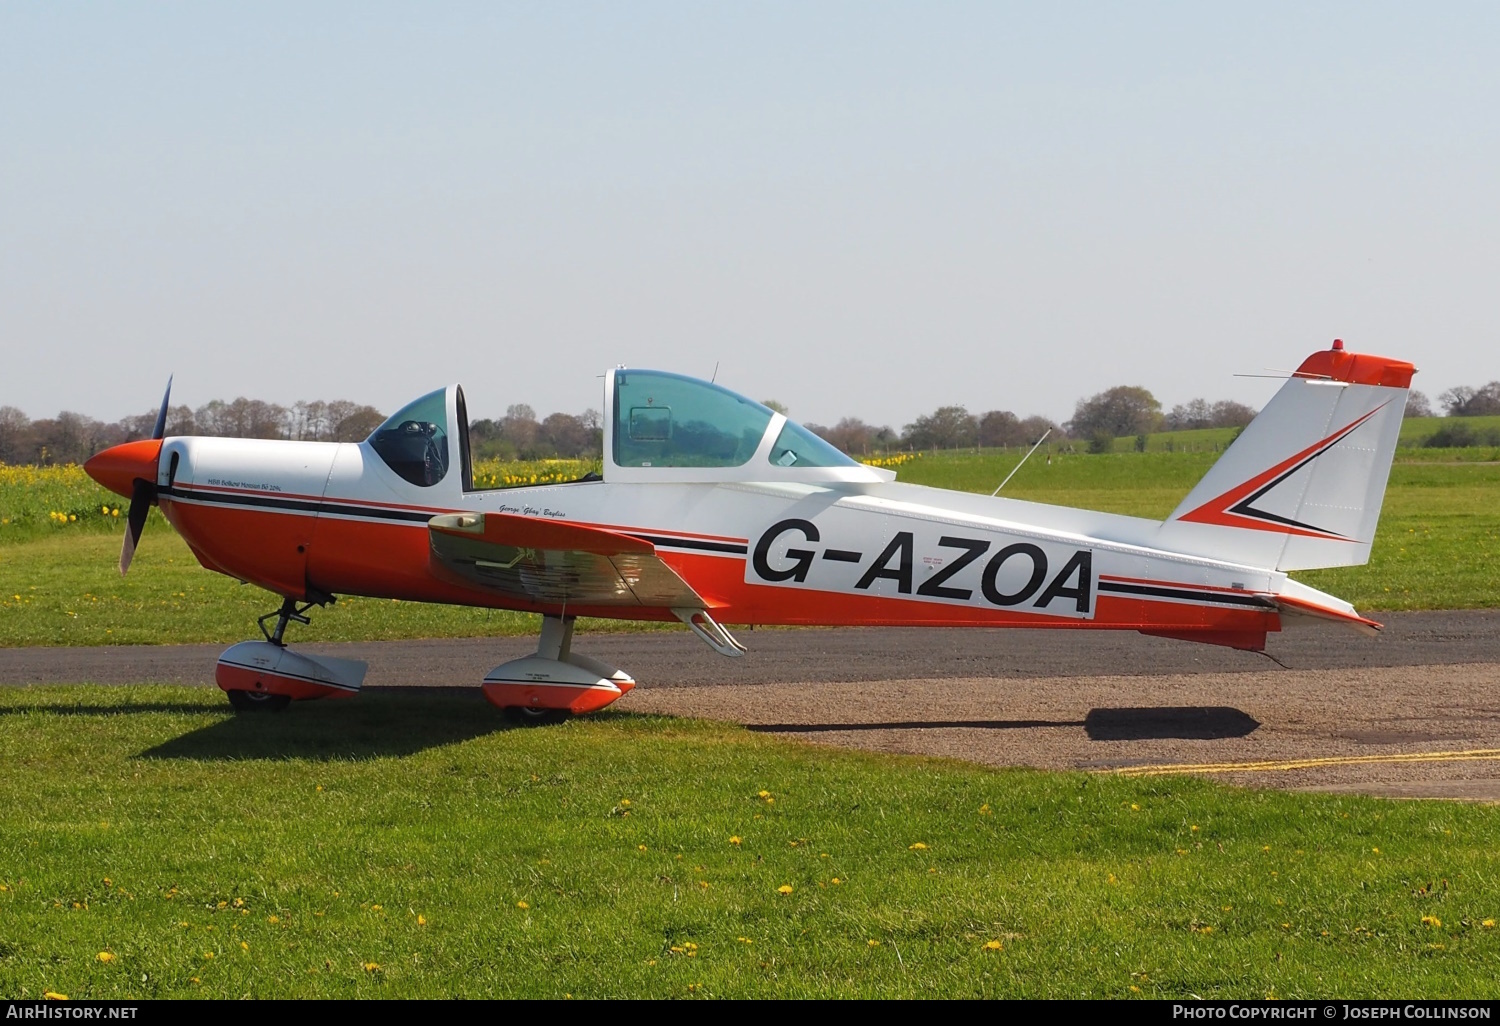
<point>1301,487</point>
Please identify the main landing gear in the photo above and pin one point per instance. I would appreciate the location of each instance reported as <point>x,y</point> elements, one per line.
<point>265,676</point>
<point>556,682</point>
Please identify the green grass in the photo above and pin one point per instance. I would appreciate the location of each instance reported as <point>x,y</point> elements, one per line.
<point>384,846</point>
<point>1416,430</point>
<point>66,590</point>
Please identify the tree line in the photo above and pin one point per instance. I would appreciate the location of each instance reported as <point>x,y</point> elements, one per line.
<point>73,437</point>
<point>1120,412</point>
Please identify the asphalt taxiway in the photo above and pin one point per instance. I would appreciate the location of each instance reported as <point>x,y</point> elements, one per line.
<point>1414,712</point>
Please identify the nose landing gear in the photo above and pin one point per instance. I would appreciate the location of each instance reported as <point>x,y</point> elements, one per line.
<point>265,676</point>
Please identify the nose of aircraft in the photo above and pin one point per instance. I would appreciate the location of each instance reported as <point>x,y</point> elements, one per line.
<point>117,468</point>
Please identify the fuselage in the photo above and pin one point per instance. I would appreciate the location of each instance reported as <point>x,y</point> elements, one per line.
<point>307,519</point>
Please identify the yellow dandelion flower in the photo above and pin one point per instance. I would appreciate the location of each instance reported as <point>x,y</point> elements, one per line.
<point>1134,807</point>
<point>1488,924</point>
<point>421,920</point>
<point>244,946</point>
<point>1194,828</point>
<point>744,940</point>
<point>734,840</point>
<point>53,995</point>
<point>764,794</point>
<point>106,956</point>
<point>1112,879</point>
<point>72,516</point>
<point>703,884</point>
<point>784,889</point>
<point>273,919</point>
<point>919,846</point>
<point>984,810</point>
<point>377,908</point>
<point>114,512</point>
<point>372,967</point>
<point>873,943</point>
<point>208,954</point>
<point>1431,921</point>
<point>993,945</point>
<point>640,847</point>
<point>835,881</point>
<point>104,510</point>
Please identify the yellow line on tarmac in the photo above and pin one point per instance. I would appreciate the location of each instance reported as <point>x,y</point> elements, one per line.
<point>1475,755</point>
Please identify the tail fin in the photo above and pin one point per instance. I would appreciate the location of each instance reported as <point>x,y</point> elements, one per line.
<point>1301,487</point>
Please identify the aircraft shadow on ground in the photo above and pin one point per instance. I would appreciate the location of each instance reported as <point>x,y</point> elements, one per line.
<point>379,723</point>
<point>1150,723</point>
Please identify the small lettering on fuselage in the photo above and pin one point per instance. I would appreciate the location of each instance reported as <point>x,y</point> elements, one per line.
<point>931,562</point>
<point>250,486</point>
<point>531,511</point>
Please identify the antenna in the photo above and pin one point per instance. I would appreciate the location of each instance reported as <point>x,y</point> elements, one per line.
<point>1018,466</point>
<point>716,373</point>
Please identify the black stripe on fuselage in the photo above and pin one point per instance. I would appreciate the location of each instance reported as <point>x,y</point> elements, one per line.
<point>298,505</point>
<point>691,543</point>
<point>402,515</point>
<point>1219,597</point>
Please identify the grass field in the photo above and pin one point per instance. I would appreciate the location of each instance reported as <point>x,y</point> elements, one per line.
<point>1439,537</point>
<point>1415,432</point>
<point>154,845</point>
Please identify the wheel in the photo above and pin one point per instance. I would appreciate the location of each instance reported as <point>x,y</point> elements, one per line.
<point>257,701</point>
<point>528,716</point>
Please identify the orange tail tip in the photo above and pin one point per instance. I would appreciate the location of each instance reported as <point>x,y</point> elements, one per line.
<point>118,467</point>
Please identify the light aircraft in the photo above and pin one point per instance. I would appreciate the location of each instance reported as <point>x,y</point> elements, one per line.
<point>714,509</point>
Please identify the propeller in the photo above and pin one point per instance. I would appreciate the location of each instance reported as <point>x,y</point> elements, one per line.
<point>143,494</point>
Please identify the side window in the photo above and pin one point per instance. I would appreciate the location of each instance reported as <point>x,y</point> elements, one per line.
<point>414,441</point>
<point>666,420</point>
<point>796,446</point>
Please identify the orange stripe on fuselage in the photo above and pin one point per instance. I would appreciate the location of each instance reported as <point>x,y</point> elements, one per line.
<point>391,560</point>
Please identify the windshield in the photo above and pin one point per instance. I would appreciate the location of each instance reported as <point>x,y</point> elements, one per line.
<point>667,420</point>
<point>414,441</point>
<point>798,447</point>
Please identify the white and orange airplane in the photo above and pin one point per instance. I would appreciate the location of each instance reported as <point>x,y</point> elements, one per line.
<point>714,509</point>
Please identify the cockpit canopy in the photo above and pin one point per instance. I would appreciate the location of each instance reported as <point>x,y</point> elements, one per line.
<point>669,427</point>
<point>414,440</point>
<point>658,426</point>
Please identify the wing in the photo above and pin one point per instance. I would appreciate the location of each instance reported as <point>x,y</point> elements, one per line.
<point>548,562</point>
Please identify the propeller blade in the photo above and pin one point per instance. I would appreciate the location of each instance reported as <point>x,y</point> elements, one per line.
<point>140,505</point>
<point>160,431</point>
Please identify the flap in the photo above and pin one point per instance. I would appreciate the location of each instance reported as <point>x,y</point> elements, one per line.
<point>553,563</point>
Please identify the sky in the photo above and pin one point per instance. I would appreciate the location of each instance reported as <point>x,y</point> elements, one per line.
<point>857,209</point>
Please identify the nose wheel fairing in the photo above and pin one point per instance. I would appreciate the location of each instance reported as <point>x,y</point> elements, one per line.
<point>261,667</point>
